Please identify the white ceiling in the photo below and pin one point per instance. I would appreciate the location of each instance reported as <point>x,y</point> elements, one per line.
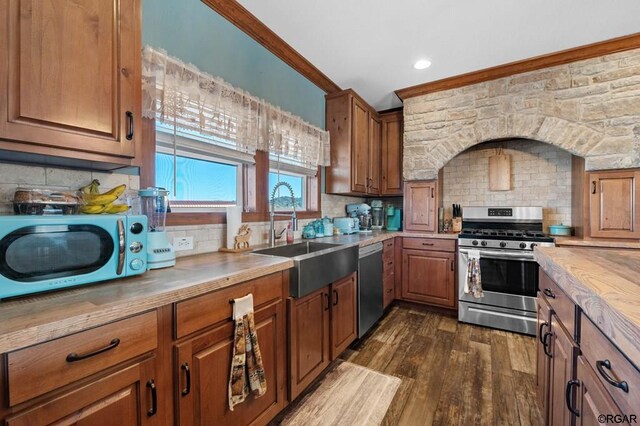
<point>371,45</point>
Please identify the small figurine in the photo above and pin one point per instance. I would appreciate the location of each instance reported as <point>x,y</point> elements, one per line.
<point>242,239</point>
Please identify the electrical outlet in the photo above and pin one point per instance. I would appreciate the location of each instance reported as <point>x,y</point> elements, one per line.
<point>183,243</point>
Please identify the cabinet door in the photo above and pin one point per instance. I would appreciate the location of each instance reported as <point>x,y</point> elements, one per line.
<point>420,206</point>
<point>391,179</point>
<point>73,74</point>
<point>374,155</point>
<point>122,398</point>
<point>614,204</point>
<point>428,276</point>
<point>561,372</point>
<point>309,339</point>
<point>360,147</point>
<point>344,322</point>
<point>542,359</point>
<point>203,366</point>
<point>592,399</point>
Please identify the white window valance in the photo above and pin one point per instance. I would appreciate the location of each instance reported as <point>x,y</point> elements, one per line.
<point>191,101</point>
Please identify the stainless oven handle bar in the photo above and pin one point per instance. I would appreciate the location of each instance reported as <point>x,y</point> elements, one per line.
<point>501,255</point>
<point>121,247</point>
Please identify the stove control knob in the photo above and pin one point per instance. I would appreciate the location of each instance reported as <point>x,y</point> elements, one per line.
<point>503,244</point>
<point>484,243</point>
<point>474,242</point>
<point>533,245</point>
<point>523,245</point>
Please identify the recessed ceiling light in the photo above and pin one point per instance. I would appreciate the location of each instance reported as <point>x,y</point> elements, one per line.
<point>422,64</point>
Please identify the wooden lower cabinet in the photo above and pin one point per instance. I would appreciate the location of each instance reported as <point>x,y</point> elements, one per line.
<point>429,277</point>
<point>344,306</point>
<point>592,400</point>
<point>308,325</point>
<point>543,356</point>
<point>563,350</point>
<point>202,371</point>
<point>125,397</point>
<point>321,326</point>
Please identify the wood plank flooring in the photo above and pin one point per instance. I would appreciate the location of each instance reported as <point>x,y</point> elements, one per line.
<point>452,373</point>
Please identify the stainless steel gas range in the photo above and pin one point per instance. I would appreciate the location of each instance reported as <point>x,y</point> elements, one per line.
<point>503,239</point>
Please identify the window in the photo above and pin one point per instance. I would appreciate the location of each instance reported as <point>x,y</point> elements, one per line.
<point>198,175</point>
<point>283,197</point>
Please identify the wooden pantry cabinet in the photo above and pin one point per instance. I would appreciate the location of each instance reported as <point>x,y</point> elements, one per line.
<point>321,326</point>
<point>355,145</point>
<point>70,72</point>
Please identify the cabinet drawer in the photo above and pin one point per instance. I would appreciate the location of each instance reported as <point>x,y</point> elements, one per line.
<point>203,311</point>
<point>434,244</point>
<point>42,368</point>
<point>388,266</point>
<point>388,247</point>
<point>597,349</point>
<point>564,307</point>
<point>388,288</point>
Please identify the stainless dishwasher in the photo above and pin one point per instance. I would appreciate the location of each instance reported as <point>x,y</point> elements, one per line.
<point>370,304</point>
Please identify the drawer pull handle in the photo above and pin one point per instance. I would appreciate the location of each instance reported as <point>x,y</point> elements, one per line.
<point>187,372</point>
<point>546,343</point>
<point>129,115</point>
<point>335,293</point>
<point>154,398</point>
<point>547,292</point>
<point>73,357</point>
<point>595,186</point>
<point>540,335</point>
<point>570,385</point>
<point>601,365</point>
<point>428,244</point>
<point>389,290</point>
<point>326,296</point>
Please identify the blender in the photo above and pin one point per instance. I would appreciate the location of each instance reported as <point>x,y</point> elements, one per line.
<point>154,203</point>
<point>377,214</point>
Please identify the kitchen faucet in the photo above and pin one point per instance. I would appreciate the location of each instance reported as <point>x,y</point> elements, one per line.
<point>273,215</point>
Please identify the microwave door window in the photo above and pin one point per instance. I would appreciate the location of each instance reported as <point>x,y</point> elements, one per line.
<point>34,254</point>
<point>509,276</point>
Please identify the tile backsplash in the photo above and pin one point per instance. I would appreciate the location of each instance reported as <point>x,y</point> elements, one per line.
<point>207,238</point>
<point>540,177</point>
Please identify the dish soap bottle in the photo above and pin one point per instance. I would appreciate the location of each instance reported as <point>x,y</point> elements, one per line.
<point>289,234</point>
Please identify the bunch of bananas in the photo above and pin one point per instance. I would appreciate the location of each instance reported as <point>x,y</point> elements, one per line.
<point>96,203</point>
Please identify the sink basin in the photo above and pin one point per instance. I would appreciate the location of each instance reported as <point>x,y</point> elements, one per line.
<point>315,264</point>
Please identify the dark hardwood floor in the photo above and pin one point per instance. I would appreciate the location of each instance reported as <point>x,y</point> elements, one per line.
<point>452,373</point>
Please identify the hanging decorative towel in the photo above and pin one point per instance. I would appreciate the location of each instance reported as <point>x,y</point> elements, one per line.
<point>473,283</point>
<point>247,371</point>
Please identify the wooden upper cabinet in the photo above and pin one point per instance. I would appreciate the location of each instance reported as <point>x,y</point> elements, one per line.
<point>391,153</point>
<point>355,145</point>
<point>360,147</point>
<point>70,72</point>
<point>420,206</point>
<point>374,154</point>
<point>614,203</point>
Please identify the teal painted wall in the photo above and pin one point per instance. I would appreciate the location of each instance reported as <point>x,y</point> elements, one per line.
<point>191,31</point>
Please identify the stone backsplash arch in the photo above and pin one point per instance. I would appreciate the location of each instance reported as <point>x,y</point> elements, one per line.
<point>590,108</point>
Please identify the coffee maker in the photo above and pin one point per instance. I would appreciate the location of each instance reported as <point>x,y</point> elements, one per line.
<point>394,218</point>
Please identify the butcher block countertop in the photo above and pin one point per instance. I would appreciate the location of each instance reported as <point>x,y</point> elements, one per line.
<point>579,242</point>
<point>605,283</point>
<point>30,320</point>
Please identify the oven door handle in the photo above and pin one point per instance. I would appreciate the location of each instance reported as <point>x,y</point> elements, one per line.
<point>501,255</point>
